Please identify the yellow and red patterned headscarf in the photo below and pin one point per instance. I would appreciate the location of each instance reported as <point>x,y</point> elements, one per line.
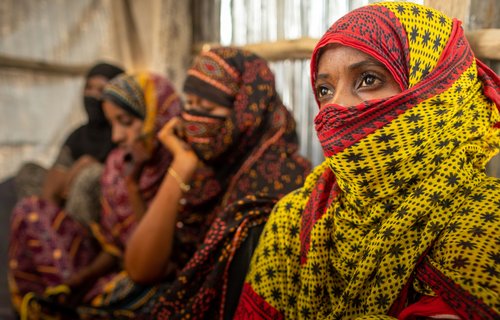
<point>401,211</point>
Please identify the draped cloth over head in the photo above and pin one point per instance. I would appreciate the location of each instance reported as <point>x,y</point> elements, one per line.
<point>154,98</point>
<point>242,82</point>
<point>401,208</point>
<point>105,70</point>
<point>93,138</point>
<point>261,164</point>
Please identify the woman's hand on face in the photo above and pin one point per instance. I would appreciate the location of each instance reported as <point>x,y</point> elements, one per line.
<point>139,155</point>
<point>179,148</point>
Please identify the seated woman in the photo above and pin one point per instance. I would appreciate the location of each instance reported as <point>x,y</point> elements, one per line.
<point>89,143</point>
<point>42,194</point>
<point>48,248</point>
<point>400,220</point>
<point>234,123</point>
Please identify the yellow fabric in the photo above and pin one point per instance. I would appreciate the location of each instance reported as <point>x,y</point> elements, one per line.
<point>420,27</point>
<point>425,187</point>
<point>105,243</point>
<point>60,289</point>
<point>150,99</point>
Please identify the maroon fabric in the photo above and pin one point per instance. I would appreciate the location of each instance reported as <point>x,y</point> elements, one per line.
<point>45,247</point>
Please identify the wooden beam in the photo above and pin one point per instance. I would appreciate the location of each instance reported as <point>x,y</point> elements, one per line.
<point>273,51</point>
<point>42,66</point>
<point>484,42</point>
<point>286,49</point>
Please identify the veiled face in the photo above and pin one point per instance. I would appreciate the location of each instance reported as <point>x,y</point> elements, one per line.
<point>348,77</point>
<point>197,103</point>
<point>94,86</point>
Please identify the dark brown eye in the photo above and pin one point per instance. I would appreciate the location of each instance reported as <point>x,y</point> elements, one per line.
<point>369,80</point>
<point>322,91</point>
<point>125,121</point>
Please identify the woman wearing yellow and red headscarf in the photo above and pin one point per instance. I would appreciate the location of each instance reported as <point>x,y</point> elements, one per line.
<point>400,220</point>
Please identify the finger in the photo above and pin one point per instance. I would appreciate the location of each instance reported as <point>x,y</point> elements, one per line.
<point>169,127</point>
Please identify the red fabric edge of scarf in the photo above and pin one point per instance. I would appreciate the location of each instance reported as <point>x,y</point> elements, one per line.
<point>253,306</point>
<point>462,302</point>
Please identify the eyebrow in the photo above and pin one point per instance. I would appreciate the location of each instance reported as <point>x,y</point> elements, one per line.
<point>123,116</point>
<point>323,76</point>
<point>368,62</point>
<point>364,63</point>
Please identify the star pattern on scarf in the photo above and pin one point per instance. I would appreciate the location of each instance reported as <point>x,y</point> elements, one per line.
<point>400,193</point>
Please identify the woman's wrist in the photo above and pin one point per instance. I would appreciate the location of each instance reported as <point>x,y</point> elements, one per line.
<point>182,185</point>
<point>185,168</point>
<point>182,172</point>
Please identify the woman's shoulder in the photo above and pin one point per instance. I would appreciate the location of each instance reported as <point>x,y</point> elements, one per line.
<point>480,207</point>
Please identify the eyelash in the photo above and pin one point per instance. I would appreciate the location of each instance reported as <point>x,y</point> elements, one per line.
<point>364,75</point>
<point>200,107</point>
<point>318,91</point>
<point>126,122</point>
<point>358,84</point>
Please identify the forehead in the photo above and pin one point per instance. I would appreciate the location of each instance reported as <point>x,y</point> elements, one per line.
<point>112,109</point>
<point>338,56</point>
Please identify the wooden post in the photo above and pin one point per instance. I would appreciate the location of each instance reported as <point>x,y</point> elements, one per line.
<point>42,66</point>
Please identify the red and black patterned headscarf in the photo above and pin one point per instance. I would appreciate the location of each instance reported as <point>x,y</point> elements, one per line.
<point>242,82</point>
<point>258,166</point>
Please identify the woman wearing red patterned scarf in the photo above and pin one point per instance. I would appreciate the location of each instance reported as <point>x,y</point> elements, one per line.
<point>400,220</point>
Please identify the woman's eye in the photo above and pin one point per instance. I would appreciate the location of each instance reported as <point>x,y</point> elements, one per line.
<point>198,107</point>
<point>369,80</point>
<point>323,91</point>
<point>126,122</point>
